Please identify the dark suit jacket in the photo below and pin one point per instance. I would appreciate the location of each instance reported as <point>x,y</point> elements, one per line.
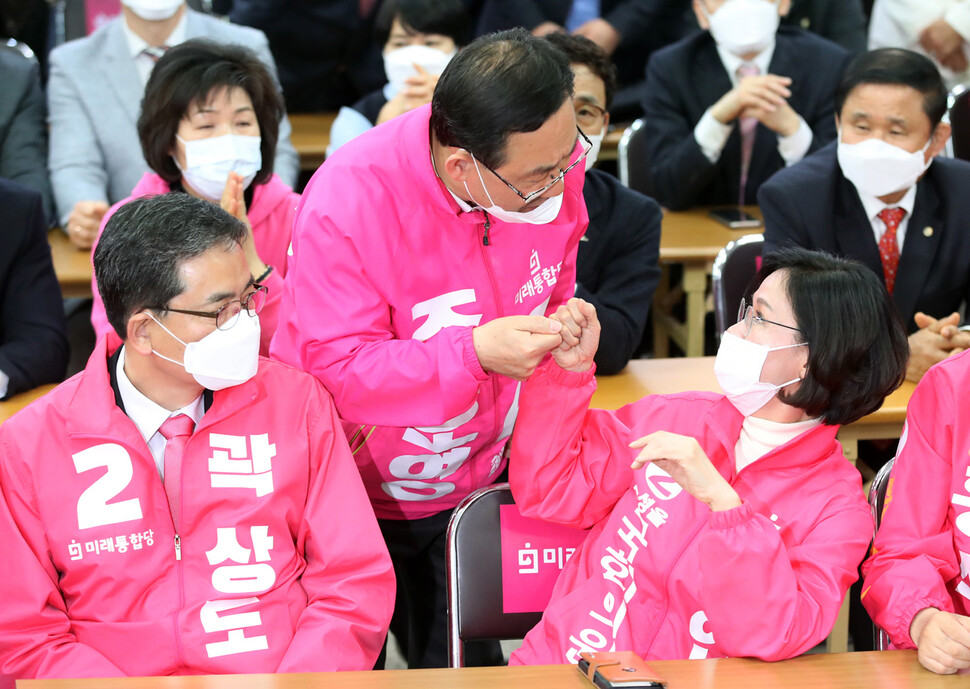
<point>645,25</point>
<point>617,267</point>
<point>685,79</point>
<point>813,205</point>
<point>33,343</point>
<point>840,21</point>
<point>23,126</point>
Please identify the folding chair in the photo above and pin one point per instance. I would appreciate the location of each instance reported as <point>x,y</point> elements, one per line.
<point>734,267</point>
<point>632,159</point>
<point>476,601</point>
<point>877,500</point>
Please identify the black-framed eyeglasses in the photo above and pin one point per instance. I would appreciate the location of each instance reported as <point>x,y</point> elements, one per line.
<point>562,173</point>
<point>747,316</point>
<point>227,315</point>
<point>588,115</point>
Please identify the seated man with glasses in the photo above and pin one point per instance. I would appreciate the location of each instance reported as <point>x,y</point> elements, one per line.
<point>183,506</point>
<point>617,265</point>
<point>427,254</point>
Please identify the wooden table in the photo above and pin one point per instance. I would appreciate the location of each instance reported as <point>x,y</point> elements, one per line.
<point>693,239</point>
<point>311,136</point>
<point>872,670</point>
<point>664,376</point>
<point>11,406</point>
<point>72,266</point>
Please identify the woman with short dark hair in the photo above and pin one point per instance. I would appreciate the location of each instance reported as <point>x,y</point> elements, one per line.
<point>741,526</point>
<point>209,126</point>
<point>419,38</point>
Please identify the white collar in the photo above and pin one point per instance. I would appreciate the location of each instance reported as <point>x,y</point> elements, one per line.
<point>874,206</point>
<point>136,44</point>
<point>146,414</point>
<point>732,62</point>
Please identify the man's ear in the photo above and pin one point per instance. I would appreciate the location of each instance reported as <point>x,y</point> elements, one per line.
<point>139,333</point>
<point>606,122</point>
<point>938,141</point>
<point>459,165</point>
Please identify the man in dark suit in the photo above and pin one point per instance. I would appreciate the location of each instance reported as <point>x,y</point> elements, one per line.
<point>33,343</point>
<point>840,21</point>
<point>727,108</point>
<point>628,30</point>
<point>617,267</point>
<point>23,125</point>
<point>860,198</point>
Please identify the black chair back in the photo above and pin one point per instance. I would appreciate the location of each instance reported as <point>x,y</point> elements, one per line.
<point>959,112</point>
<point>633,161</point>
<point>734,267</point>
<point>877,501</point>
<point>475,574</point>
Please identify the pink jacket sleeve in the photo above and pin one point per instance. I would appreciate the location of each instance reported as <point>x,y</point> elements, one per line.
<point>99,319</point>
<point>771,599</point>
<point>335,324</point>
<point>348,578</point>
<point>913,556</point>
<point>569,464</point>
<point>36,640</point>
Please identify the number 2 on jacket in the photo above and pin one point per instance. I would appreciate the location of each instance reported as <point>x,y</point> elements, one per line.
<point>92,507</point>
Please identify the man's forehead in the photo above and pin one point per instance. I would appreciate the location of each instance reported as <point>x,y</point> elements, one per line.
<point>884,100</point>
<point>536,151</point>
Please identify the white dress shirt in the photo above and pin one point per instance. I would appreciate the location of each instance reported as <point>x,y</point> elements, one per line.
<point>712,136</point>
<point>148,416</point>
<point>898,24</point>
<point>137,45</point>
<point>874,207</point>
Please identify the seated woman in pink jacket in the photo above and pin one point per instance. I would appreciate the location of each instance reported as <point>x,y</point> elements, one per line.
<point>209,125</point>
<point>719,525</point>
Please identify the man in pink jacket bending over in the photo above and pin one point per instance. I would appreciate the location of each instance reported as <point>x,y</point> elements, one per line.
<point>183,506</point>
<point>427,254</point>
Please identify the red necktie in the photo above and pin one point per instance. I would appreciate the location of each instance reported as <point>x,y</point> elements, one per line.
<point>748,127</point>
<point>176,430</point>
<point>888,247</point>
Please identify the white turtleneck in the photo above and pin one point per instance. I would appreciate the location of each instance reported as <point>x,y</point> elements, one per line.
<point>761,436</point>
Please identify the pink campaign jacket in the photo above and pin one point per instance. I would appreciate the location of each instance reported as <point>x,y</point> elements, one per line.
<point>386,281</point>
<point>660,573</point>
<point>921,557</point>
<point>271,216</point>
<point>279,566</point>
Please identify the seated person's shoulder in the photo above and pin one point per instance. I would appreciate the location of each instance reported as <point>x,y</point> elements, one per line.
<point>812,47</point>
<point>952,172</point>
<point>76,55</point>
<point>809,174</point>
<point>219,30</point>
<point>609,191</point>
<point>283,379</point>
<point>680,54</point>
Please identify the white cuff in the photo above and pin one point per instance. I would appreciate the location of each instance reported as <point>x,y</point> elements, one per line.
<point>793,148</point>
<point>4,383</point>
<point>712,136</point>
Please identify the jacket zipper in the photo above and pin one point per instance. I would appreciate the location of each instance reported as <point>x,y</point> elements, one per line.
<point>180,653</point>
<point>499,422</point>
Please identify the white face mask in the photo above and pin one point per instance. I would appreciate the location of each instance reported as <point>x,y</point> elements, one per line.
<point>222,358</point>
<point>399,63</point>
<point>544,213</point>
<point>208,162</point>
<point>738,370</point>
<point>594,151</point>
<point>153,10</point>
<point>878,168</point>
<point>743,27</point>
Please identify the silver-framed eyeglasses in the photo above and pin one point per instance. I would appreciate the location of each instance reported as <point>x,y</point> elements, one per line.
<point>587,145</point>
<point>226,316</point>
<point>747,315</point>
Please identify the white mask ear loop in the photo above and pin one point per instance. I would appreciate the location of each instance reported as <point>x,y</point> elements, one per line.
<point>480,179</point>
<point>775,349</point>
<point>162,356</point>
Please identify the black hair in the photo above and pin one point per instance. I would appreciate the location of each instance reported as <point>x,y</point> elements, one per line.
<point>139,256</point>
<point>501,84</point>
<point>857,346</point>
<point>445,17</point>
<point>580,50</point>
<point>189,73</point>
<point>896,66</point>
